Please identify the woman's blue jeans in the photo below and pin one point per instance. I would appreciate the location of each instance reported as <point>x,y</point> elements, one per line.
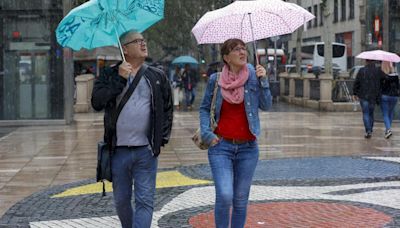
<point>368,115</point>
<point>232,167</point>
<point>190,95</point>
<point>138,164</point>
<point>387,106</point>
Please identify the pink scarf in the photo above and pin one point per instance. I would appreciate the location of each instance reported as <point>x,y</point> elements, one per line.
<point>232,85</point>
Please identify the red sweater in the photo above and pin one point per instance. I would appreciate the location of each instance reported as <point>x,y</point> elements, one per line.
<point>233,122</point>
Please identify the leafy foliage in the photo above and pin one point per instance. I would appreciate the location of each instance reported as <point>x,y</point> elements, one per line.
<point>173,35</point>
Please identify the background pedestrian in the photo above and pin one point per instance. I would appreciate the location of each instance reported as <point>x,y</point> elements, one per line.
<point>390,95</point>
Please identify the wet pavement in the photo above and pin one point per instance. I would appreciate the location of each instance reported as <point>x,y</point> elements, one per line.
<point>315,170</point>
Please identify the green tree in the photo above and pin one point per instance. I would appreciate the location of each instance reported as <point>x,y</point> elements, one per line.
<point>173,35</point>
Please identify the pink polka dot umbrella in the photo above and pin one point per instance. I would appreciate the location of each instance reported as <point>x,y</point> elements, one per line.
<point>250,21</point>
<point>379,55</point>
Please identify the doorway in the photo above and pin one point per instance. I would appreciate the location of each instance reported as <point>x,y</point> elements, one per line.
<point>26,84</point>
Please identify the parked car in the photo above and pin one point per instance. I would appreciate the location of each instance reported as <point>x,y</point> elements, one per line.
<point>317,70</point>
<point>354,71</point>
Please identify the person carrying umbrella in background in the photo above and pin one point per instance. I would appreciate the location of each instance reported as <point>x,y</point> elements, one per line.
<point>233,151</point>
<point>367,89</point>
<point>142,127</point>
<point>390,95</point>
<point>189,80</point>
<point>177,87</point>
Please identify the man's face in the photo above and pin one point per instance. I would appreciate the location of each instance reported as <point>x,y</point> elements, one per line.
<point>135,46</point>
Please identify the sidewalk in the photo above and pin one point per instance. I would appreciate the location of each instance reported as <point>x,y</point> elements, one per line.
<point>315,169</point>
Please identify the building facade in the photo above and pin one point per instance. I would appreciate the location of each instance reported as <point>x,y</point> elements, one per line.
<point>360,24</point>
<point>33,79</point>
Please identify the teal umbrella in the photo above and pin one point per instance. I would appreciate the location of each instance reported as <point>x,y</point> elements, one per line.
<point>182,60</point>
<point>99,23</point>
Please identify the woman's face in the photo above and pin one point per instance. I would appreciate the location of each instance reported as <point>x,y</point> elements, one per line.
<point>237,57</point>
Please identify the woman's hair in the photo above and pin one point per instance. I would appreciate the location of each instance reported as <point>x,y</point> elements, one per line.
<point>229,45</point>
<point>387,67</point>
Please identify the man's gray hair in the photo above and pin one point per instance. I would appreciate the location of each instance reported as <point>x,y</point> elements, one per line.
<point>124,38</point>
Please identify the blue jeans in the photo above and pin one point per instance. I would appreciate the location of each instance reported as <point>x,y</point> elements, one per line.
<point>368,115</point>
<point>232,167</point>
<point>138,164</point>
<point>387,106</point>
<point>190,95</point>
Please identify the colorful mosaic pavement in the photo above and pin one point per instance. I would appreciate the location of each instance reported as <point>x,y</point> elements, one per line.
<point>295,192</point>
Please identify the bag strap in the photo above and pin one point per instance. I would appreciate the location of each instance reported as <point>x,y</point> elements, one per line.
<point>129,92</point>
<point>121,104</point>
<point>213,123</point>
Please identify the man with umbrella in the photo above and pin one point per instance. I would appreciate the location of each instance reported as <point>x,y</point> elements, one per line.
<point>367,88</point>
<point>136,135</point>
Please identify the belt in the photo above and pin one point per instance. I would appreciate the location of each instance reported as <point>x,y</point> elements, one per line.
<point>235,141</point>
<point>130,147</point>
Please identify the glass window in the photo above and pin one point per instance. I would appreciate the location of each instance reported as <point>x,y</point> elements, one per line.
<point>374,11</point>
<point>316,15</point>
<point>321,15</point>
<point>337,50</point>
<point>343,10</point>
<point>309,22</point>
<point>351,9</point>
<point>31,62</point>
<point>335,11</point>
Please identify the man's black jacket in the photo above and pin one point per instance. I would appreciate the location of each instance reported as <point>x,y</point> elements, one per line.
<point>109,85</point>
<point>367,85</point>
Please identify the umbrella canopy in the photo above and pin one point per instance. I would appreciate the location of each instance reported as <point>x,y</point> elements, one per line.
<point>379,55</point>
<point>98,23</point>
<point>182,60</point>
<point>250,21</point>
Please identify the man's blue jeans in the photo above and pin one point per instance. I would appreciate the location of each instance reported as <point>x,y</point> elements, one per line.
<point>232,168</point>
<point>387,106</point>
<point>368,115</point>
<point>138,164</point>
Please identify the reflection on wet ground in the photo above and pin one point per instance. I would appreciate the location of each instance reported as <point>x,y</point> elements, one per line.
<point>40,157</point>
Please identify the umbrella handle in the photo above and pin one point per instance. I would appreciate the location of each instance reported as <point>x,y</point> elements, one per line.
<point>119,45</point>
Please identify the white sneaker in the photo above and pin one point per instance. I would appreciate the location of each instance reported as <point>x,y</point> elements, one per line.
<point>388,133</point>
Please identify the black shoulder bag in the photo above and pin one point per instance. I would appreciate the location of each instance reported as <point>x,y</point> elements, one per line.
<point>104,153</point>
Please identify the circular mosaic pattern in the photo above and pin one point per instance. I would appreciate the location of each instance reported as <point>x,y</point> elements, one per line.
<point>303,214</point>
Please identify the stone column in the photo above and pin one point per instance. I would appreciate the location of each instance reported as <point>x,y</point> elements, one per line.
<point>84,87</point>
<point>325,102</point>
<point>292,86</point>
<point>282,77</point>
<point>306,86</point>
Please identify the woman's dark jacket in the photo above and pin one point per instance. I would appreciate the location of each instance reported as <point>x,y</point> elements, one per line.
<point>109,85</point>
<point>390,85</point>
<point>367,85</point>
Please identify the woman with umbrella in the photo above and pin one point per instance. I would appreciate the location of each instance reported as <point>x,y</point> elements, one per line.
<point>233,151</point>
<point>390,95</point>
